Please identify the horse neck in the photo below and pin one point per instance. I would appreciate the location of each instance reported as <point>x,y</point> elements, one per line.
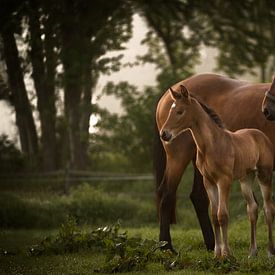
<point>206,133</point>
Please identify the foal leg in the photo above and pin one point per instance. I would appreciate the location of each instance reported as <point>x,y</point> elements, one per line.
<point>223,216</point>
<point>252,212</point>
<point>200,201</point>
<point>265,178</point>
<point>212,192</point>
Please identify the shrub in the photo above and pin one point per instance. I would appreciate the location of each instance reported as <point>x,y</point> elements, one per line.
<point>16,212</point>
<point>93,206</point>
<point>86,204</point>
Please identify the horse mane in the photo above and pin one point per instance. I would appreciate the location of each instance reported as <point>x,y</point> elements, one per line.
<point>212,114</point>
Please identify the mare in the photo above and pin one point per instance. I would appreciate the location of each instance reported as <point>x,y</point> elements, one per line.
<point>239,104</point>
<point>268,106</point>
<point>223,156</point>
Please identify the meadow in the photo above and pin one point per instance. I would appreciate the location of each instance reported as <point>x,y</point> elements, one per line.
<point>46,232</point>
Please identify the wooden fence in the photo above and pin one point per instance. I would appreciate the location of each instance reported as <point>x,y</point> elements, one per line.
<point>65,179</point>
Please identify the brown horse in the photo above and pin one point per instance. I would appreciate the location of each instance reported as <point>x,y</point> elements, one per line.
<point>239,104</point>
<point>268,107</point>
<point>223,156</point>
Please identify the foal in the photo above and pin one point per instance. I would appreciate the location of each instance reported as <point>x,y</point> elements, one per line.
<point>223,156</point>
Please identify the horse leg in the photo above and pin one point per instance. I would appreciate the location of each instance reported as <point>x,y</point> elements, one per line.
<point>223,216</point>
<point>252,212</point>
<point>200,202</point>
<point>265,179</point>
<point>167,215</point>
<point>212,192</point>
<point>178,155</point>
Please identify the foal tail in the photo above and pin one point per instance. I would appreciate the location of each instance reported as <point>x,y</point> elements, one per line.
<point>159,166</point>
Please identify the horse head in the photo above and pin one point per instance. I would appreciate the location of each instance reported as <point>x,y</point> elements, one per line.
<point>179,117</point>
<point>268,106</point>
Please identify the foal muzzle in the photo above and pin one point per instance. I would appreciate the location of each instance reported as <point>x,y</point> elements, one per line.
<point>165,135</point>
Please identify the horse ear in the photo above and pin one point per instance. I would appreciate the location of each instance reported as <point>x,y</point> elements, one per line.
<point>185,93</point>
<point>175,95</point>
<point>273,83</point>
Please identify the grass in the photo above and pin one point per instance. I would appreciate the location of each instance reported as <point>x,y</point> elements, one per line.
<point>29,214</point>
<point>189,242</point>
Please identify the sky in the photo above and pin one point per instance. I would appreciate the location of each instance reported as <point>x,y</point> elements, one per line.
<point>139,75</point>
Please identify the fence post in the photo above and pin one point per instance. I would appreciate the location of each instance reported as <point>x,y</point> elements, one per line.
<point>66,180</point>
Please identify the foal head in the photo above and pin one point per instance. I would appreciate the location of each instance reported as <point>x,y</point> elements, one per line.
<point>268,107</point>
<point>180,114</point>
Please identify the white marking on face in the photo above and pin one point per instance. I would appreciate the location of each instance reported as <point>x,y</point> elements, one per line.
<point>173,105</point>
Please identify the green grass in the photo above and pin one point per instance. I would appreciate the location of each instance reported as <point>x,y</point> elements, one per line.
<point>188,242</point>
<point>28,214</point>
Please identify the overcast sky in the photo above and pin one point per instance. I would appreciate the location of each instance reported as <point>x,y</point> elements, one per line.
<point>139,75</point>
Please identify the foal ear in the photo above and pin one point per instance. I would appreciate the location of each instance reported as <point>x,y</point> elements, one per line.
<point>185,93</point>
<point>273,83</point>
<point>175,95</point>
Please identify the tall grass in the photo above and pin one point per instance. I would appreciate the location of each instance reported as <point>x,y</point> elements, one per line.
<point>102,202</point>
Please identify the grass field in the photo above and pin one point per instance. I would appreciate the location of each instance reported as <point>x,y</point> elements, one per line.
<point>28,214</point>
<point>193,257</point>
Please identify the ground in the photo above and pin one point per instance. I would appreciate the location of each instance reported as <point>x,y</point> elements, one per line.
<point>188,242</point>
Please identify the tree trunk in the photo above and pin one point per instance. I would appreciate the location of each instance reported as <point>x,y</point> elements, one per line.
<point>72,90</point>
<point>75,47</point>
<point>263,72</point>
<point>24,117</point>
<point>86,110</point>
<point>43,76</point>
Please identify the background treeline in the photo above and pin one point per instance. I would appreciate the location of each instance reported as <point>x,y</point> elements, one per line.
<point>61,48</point>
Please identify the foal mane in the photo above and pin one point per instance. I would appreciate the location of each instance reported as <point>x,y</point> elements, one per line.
<point>212,114</point>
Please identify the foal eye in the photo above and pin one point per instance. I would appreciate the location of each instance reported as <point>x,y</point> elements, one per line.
<point>179,112</point>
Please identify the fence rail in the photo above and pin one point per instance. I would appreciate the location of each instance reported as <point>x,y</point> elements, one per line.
<point>76,176</point>
<point>63,180</point>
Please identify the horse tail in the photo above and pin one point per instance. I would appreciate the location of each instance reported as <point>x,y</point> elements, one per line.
<point>159,167</point>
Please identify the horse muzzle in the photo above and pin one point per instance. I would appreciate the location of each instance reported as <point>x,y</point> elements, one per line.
<point>165,135</point>
<point>269,115</point>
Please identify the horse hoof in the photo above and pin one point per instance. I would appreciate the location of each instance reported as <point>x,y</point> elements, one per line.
<point>271,253</point>
<point>170,249</point>
<point>253,254</point>
<point>226,253</point>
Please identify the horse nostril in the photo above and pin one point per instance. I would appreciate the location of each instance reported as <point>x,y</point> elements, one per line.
<point>266,112</point>
<point>163,135</point>
<point>166,136</point>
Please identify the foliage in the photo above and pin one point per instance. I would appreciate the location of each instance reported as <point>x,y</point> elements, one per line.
<point>64,53</point>
<point>88,205</point>
<point>122,253</point>
<point>93,206</point>
<point>129,134</point>
<point>243,33</point>
<point>16,212</point>
<point>107,249</point>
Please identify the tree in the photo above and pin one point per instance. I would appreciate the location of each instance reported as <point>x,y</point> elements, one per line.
<point>18,98</point>
<point>44,62</point>
<point>76,36</point>
<point>86,44</point>
<point>62,32</point>
<point>243,31</point>
<point>128,136</point>
<point>174,38</point>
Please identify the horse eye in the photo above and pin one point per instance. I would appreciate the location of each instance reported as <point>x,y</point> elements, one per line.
<point>179,112</point>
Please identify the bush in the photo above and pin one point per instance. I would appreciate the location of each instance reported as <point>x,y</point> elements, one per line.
<point>16,212</point>
<point>86,204</point>
<point>93,206</point>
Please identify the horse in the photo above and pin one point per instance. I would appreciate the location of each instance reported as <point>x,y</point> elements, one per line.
<point>268,106</point>
<point>223,156</point>
<point>239,105</point>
